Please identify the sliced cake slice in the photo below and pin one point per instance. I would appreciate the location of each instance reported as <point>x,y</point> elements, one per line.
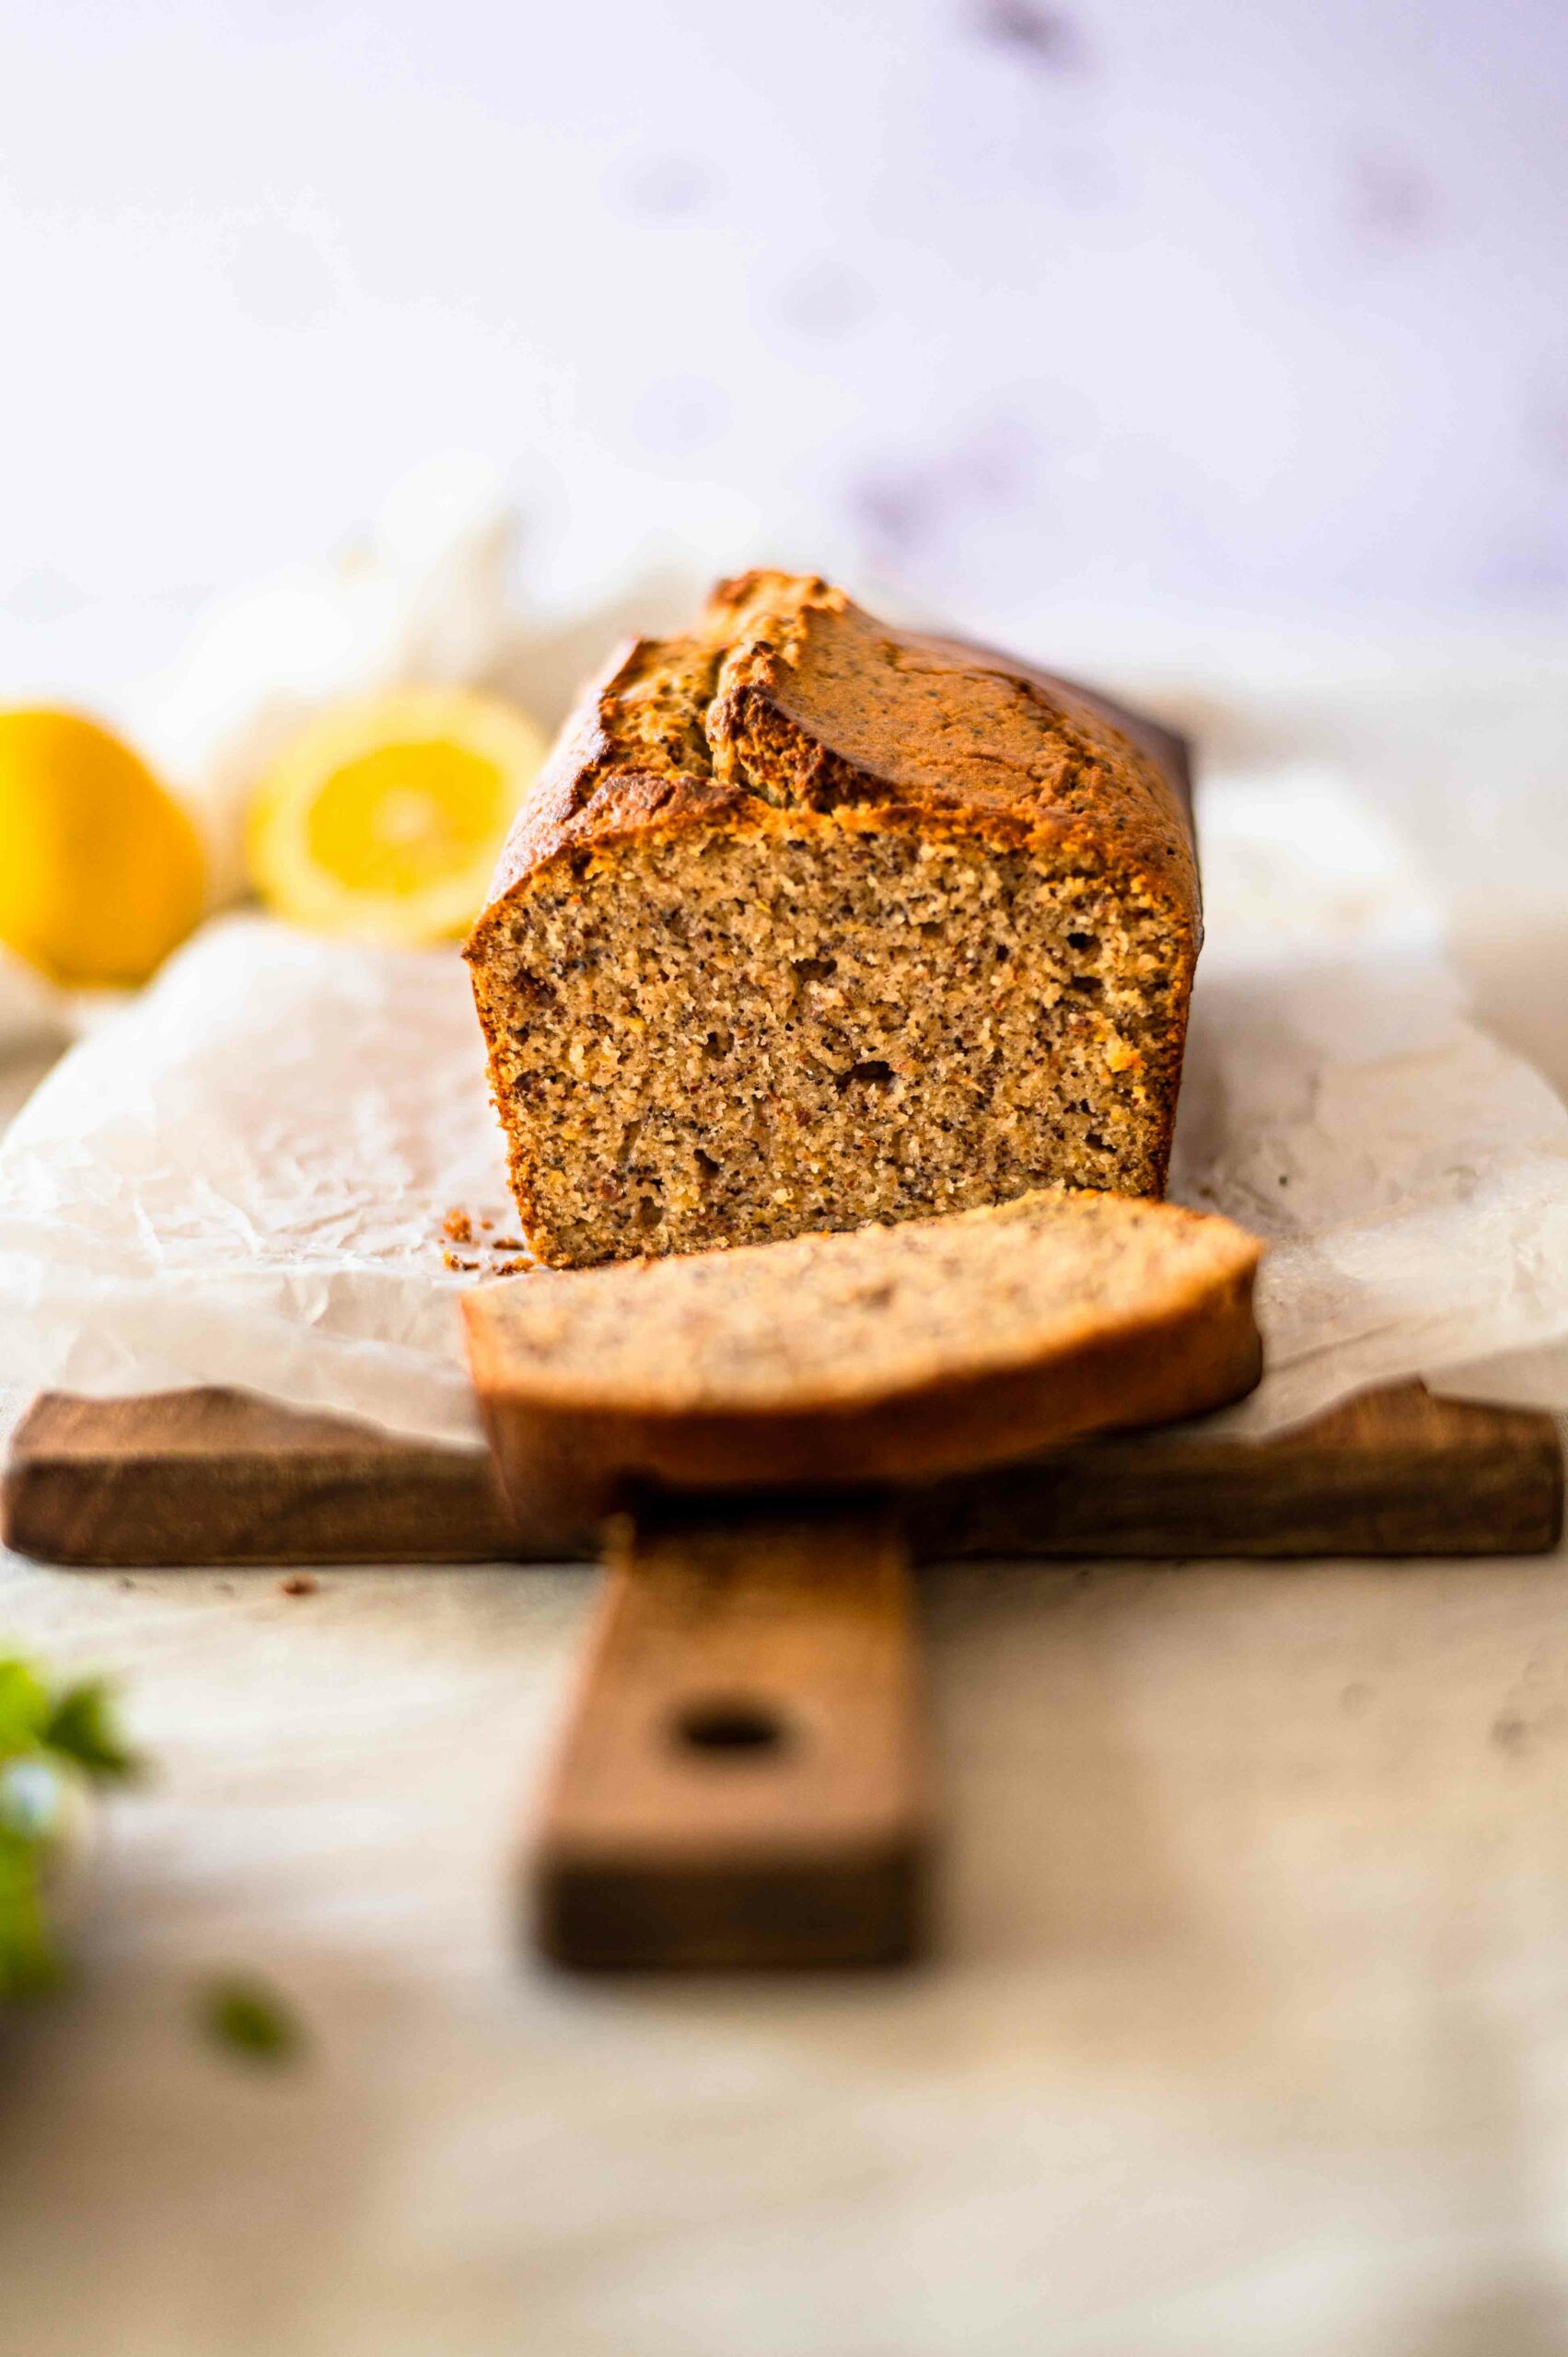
<point>886,1354</point>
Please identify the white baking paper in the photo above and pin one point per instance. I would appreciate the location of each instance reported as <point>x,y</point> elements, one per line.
<point>242,1178</point>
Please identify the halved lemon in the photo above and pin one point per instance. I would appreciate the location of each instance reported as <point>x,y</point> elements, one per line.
<point>101,871</point>
<point>382,819</point>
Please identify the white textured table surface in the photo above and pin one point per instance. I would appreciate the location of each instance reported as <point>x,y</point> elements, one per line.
<point>1248,2031</point>
<point>1247,2034</point>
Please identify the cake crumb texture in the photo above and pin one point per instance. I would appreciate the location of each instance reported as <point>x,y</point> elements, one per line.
<point>838,1320</point>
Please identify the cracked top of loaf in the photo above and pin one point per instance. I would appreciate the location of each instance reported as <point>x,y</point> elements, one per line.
<point>788,693</point>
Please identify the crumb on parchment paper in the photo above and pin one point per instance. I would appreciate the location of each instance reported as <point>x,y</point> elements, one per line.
<point>459,1227</point>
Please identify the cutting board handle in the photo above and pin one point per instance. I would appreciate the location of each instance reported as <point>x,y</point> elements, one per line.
<point>741,1781</point>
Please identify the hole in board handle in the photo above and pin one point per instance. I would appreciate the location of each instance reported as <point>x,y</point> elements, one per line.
<point>729,1727</point>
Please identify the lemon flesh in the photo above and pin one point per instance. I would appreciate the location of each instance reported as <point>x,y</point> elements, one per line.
<point>101,872</point>
<point>382,821</point>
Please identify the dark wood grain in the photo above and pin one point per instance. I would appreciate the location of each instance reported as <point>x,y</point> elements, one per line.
<point>211,1477</point>
<point>1393,1472</point>
<point>741,1782</point>
<point>217,1476</point>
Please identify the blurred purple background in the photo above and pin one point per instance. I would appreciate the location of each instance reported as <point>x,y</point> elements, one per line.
<point>1218,309</point>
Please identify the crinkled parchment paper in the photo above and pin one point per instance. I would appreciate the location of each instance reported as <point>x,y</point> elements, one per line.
<point>242,1178</point>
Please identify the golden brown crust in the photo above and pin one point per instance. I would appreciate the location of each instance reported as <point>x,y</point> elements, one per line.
<point>791,695</point>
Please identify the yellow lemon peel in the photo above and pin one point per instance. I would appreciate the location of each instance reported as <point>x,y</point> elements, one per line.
<point>102,873</point>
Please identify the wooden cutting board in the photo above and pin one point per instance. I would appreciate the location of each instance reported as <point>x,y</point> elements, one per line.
<point>214,1477</point>
<point>741,1779</point>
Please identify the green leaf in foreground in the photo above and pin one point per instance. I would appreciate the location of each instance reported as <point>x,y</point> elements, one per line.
<point>52,1746</point>
<point>24,1709</point>
<point>81,1726</point>
<point>29,1965</point>
<point>243,2015</point>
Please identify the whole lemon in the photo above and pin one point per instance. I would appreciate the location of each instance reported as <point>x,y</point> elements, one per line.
<point>101,872</point>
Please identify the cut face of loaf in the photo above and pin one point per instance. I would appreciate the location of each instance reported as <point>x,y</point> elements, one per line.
<point>810,924</point>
